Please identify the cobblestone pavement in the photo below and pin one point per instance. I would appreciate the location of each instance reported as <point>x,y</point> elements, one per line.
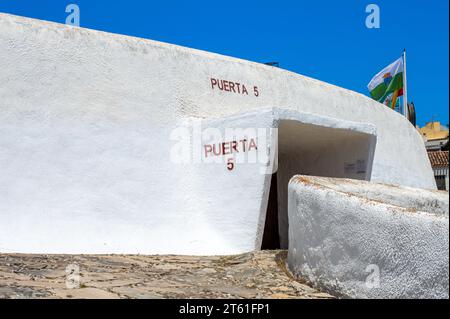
<point>253,275</point>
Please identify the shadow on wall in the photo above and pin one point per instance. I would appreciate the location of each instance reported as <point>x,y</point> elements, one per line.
<point>314,150</point>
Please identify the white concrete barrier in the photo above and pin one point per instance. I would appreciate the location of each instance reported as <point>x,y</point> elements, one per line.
<point>359,239</point>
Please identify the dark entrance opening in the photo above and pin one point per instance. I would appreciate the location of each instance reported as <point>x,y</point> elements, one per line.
<point>307,149</point>
<point>271,237</point>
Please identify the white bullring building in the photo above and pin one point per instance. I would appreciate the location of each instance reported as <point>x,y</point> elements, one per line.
<point>114,144</point>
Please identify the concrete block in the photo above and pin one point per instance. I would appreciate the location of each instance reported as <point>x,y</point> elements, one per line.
<point>358,239</point>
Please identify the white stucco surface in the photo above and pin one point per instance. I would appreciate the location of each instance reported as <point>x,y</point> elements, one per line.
<point>359,239</point>
<point>86,126</point>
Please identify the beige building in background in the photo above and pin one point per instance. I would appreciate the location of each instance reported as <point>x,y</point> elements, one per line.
<point>435,137</point>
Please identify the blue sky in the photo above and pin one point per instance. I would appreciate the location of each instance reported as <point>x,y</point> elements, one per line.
<point>326,40</point>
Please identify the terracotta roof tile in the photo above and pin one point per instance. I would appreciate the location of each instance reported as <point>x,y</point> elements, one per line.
<point>438,158</point>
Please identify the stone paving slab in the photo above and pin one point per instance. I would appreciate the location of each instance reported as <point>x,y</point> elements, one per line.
<point>253,275</point>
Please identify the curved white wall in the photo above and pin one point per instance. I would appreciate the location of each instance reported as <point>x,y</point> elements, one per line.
<point>85,125</point>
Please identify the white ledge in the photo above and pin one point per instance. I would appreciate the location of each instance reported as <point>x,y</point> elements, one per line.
<point>358,239</point>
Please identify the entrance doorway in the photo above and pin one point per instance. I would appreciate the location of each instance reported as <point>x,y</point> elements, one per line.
<point>310,149</point>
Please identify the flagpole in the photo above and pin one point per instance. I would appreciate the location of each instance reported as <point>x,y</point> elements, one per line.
<point>405,87</point>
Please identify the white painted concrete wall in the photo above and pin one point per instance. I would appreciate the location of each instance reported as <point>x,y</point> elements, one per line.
<point>85,125</point>
<point>359,239</point>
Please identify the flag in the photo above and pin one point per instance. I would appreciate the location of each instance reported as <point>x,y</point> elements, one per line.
<point>387,86</point>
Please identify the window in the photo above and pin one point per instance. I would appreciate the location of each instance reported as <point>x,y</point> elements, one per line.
<point>440,182</point>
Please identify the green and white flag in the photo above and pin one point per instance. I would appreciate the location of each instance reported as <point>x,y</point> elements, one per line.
<point>387,85</point>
